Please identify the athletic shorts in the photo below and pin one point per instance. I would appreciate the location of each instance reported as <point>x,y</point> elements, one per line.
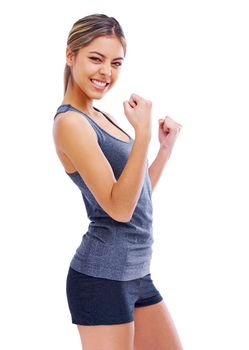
<point>101,301</point>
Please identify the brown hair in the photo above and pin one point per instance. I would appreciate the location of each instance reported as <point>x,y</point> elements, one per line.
<point>87,29</point>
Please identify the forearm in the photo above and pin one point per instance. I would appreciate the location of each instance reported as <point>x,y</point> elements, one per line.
<point>156,168</point>
<point>127,189</point>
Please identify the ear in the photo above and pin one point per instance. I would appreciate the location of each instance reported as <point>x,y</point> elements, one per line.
<point>69,56</point>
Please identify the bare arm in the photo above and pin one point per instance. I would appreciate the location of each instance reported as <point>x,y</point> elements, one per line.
<point>124,187</point>
<point>75,137</point>
<point>167,133</point>
<point>126,191</point>
<point>157,166</point>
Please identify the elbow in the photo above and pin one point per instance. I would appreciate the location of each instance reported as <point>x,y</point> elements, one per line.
<point>124,220</point>
<point>122,216</point>
<point>121,211</point>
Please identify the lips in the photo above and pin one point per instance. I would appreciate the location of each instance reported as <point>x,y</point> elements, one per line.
<point>100,84</point>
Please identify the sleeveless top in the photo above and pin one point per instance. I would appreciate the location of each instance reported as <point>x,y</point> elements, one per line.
<point>111,249</point>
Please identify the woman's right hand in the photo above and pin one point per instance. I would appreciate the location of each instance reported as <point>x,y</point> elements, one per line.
<point>138,113</point>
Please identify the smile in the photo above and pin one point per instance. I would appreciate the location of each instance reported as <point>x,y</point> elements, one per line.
<point>99,84</point>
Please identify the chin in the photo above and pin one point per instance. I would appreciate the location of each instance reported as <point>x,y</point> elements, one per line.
<point>97,96</point>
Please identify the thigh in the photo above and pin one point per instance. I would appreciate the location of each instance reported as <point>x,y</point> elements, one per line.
<point>154,328</point>
<point>113,337</point>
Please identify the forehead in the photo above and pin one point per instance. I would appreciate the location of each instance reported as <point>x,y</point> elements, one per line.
<point>109,46</point>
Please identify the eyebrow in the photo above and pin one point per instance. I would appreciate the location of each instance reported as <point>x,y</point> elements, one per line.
<point>98,53</point>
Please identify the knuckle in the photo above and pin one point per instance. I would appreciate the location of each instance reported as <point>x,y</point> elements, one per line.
<point>133,95</point>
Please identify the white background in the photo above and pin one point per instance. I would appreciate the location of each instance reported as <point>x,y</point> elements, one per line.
<point>191,59</point>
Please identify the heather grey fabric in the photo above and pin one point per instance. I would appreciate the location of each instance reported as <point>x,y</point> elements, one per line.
<point>109,248</point>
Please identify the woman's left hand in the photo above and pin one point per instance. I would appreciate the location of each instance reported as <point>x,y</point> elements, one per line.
<point>168,132</point>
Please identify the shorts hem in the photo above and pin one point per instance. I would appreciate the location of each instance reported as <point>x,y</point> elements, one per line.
<point>150,301</point>
<point>101,323</point>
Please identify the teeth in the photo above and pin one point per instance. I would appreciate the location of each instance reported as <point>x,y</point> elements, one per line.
<point>98,83</point>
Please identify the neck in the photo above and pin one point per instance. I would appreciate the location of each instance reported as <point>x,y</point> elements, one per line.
<point>77,99</point>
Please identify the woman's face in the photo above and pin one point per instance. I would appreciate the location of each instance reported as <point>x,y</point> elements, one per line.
<point>97,66</point>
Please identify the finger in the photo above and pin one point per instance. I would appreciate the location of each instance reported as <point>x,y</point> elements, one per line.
<point>135,98</point>
<point>127,106</point>
<point>163,125</point>
<point>132,103</point>
<point>165,128</point>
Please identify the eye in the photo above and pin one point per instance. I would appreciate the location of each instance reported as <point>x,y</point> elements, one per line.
<point>96,59</point>
<point>117,64</point>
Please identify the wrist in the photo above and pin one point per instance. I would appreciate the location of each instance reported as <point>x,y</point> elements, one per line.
<point>143,134</point>
<point>165,148</point>
<point>165,151</point>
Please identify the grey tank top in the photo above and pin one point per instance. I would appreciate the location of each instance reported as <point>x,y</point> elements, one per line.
<point>111,249</point>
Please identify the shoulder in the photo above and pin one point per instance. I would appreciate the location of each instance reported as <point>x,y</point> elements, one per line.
<point>64,119</point>
<point>71,123</point>
<point>68,115</point>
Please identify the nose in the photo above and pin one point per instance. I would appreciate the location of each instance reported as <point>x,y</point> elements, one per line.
<point>106,70</point>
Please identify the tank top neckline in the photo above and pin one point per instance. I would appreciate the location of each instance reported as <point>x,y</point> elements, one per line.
<point>127,142</point>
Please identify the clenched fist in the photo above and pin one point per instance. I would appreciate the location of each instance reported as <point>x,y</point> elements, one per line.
<point>168,132</point>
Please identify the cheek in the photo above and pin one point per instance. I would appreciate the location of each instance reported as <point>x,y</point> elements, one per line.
<point>85,70</point>
<point>87,73</point>
<point>115,74</point>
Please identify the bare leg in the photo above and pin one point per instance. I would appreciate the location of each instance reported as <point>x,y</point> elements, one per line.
<point>154,328</point>
<point>107,337</point>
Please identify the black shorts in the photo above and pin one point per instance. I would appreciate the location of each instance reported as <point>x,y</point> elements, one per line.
<point>101,301</point>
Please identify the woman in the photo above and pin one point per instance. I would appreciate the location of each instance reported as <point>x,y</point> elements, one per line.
<point>111,296</point>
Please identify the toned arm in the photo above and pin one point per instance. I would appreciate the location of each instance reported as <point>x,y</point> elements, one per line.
<point>75,137</point>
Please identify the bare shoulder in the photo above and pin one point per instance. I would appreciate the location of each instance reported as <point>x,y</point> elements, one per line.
<point>72,115</point>
<point>71,119</point>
